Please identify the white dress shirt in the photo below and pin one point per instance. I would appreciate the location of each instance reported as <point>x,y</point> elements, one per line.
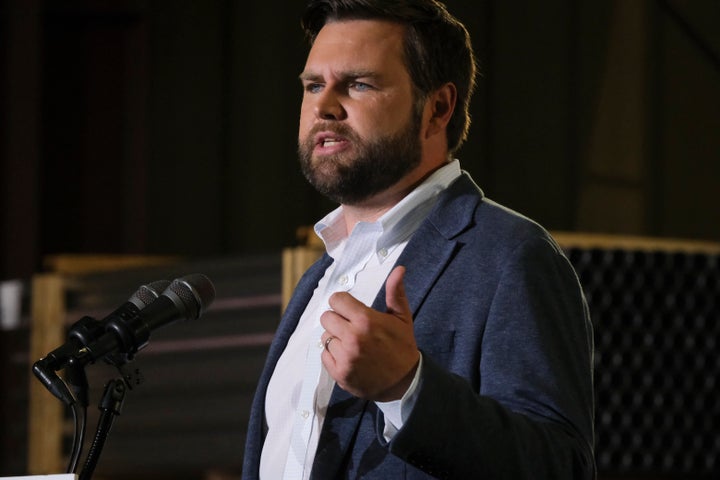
<point>299,390</point>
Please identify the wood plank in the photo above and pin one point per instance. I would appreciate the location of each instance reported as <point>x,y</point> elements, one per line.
<point>45,412</point>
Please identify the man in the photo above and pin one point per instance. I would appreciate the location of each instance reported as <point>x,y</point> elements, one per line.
<point>442,335</point>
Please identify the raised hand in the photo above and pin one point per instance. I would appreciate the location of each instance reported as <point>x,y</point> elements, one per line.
<point>371,354</point>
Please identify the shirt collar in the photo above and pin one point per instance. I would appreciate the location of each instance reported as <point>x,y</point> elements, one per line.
<point>398,223</point>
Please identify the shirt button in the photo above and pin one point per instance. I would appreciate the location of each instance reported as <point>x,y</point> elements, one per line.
<point>383,252</point>
<point>343,280</point>
<point>305,414</point>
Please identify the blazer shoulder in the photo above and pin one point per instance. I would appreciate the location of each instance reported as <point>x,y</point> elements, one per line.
<point>465,211</point>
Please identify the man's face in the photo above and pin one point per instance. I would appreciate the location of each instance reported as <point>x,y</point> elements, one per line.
<point>358,132</point>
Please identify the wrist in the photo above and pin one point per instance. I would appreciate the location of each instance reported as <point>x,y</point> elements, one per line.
<point>401,388</point>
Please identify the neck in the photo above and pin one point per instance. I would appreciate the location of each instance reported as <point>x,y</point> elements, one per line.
<point>371,209</point>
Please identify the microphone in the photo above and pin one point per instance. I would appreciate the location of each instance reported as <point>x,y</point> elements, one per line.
<point>85,331</point>
<point>186,298</point>
<point>127,329</point>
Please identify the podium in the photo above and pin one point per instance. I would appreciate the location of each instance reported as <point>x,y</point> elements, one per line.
<point>60,476</point>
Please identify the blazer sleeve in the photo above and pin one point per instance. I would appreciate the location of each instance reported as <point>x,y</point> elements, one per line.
<point>529,412</point>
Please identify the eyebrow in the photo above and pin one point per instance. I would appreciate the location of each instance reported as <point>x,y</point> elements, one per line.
<point>344,76</point>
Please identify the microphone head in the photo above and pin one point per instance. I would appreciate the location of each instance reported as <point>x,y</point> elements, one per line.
<point>192,294</point>
<point>147,294</point>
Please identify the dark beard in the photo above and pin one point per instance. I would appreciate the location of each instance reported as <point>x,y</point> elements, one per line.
<point>376,166</point>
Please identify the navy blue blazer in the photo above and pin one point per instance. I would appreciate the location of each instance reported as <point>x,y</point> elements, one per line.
<point>505,334</point>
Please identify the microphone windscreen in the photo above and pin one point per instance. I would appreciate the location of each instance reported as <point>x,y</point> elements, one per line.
<point>195,292</point>
<point>147,294</point>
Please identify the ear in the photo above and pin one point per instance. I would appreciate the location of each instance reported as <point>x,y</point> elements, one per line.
<point>439,108</point>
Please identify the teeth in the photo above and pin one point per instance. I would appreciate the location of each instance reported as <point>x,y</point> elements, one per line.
<point>329,143</point>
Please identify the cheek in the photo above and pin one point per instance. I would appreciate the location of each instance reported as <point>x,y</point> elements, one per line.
<point>390,109</point>
<point>305,121</point>
<point>306,107</point>
<point>377,122</point>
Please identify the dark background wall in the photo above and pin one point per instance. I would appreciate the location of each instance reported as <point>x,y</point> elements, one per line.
<point>169,126</point>
<point>158,126</point>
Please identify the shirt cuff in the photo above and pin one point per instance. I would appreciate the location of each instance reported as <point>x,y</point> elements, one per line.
<point>396,412</point>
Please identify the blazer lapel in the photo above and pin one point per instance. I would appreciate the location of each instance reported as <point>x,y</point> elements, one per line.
<point>304,290</point>
<point>423,260</point>
<point>433,244</point>
<point>338,433</point>
<point>299,300</point>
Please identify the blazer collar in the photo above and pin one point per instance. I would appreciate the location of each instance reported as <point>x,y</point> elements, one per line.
<point>434,243</point>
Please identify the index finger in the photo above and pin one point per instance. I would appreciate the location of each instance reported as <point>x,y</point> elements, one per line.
<point>346,305</point>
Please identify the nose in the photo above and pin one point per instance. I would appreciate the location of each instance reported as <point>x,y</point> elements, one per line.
<point>329,106</point>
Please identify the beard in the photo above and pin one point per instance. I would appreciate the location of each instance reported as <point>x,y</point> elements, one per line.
<point>370,168</point>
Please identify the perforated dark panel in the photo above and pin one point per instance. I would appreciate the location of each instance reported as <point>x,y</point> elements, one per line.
<point>656,316</point>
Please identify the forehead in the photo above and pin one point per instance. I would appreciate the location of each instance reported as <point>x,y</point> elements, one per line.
<point>358,44</point>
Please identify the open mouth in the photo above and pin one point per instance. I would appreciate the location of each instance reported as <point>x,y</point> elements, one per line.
<point>328,143</point>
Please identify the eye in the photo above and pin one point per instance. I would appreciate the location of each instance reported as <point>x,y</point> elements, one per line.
<point>313,87</point>
<point>360,86</point>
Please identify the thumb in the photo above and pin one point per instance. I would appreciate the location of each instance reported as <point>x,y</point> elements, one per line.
<point>395,299</point>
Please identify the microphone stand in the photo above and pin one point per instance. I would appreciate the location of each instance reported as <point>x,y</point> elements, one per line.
<point>124,330</point>
<point>76,379</point>
<point>73,389</point>
<point>110,406</point>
